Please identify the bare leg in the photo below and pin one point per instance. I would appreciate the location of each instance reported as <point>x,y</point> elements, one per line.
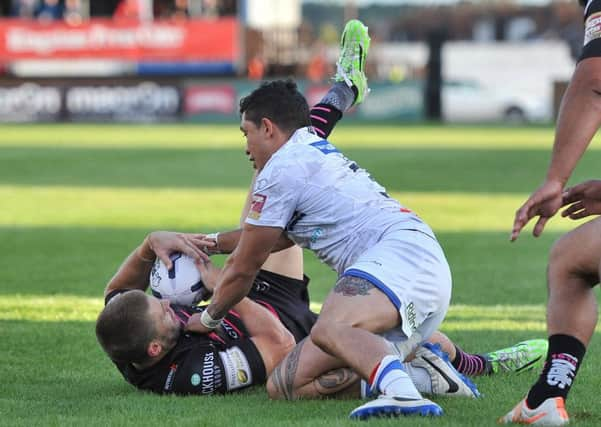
<point>573,271</point>
<point>571,310</point>
<point>345,328</point>
<point>308,372</point>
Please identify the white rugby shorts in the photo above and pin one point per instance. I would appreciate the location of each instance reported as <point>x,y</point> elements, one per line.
<point>411,269</point>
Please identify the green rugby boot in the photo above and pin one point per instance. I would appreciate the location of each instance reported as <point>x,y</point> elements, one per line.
<point>521,357</point>
<point>350,67</point>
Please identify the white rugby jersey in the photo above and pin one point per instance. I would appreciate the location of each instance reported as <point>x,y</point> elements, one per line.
<point>325,202</point>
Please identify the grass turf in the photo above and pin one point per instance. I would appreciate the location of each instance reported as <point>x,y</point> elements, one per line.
<point>77,199</point>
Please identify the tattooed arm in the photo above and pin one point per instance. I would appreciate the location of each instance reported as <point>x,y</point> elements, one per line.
<point>308,372</point>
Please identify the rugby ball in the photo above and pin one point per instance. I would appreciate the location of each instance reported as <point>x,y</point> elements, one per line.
<point>181,284</point>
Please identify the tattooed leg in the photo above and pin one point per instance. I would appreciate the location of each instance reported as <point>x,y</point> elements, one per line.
<point>341,382</point>
<point>350,286</point>
<point>351,313</point>
<point>354,312</point>
<point>308,372</point>
<point>284,375</point>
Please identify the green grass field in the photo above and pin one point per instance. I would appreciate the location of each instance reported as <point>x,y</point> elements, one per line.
<point>75,199</point>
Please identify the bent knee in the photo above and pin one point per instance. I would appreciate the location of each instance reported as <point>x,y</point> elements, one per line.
<point>560,254</point>
<point>574,256</point>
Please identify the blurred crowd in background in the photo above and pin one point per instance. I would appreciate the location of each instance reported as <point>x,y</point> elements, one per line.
<point>531,48</point>
<point>322,21</point>
<point>73,10</point>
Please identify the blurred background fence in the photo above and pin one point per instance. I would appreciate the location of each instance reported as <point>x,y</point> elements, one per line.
<point>191,60</point>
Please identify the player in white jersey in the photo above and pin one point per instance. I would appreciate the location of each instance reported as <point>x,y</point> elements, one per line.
<point>393,275</point>
<point>327,203</point>
<point>334,207</point>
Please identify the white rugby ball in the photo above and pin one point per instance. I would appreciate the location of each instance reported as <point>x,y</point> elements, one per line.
<point>182,284</point>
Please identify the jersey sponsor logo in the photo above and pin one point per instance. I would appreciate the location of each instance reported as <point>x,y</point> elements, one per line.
<point>169,381</point>
<point>237,368</point>
<point>256,206</point>
<point>592,28</point>
<point>325,147</point>
<point>211,375</point>
<point>233,334</point>
<point>317,233</point>
<point>410,316</point>
<point>242,376</point>
<point>261,286</point>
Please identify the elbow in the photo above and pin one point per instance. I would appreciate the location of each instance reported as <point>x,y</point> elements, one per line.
<point>245,269</point>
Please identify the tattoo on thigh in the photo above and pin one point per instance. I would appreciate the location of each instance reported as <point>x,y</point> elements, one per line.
<point>285,372</point>
<point>335,380</point>
<point>350,286</point>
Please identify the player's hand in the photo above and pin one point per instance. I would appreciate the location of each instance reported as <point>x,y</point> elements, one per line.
<point>195,326</point>
<point>584,200</point>
<point>164,243</point>
<point>543,203</point>
<point>209,274</point>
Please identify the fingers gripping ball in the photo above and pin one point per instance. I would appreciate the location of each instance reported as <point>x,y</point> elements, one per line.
<point>182,284</point>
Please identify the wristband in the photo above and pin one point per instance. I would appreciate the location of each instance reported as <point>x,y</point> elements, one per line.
<point>214,249</point>
<point>207,321</point>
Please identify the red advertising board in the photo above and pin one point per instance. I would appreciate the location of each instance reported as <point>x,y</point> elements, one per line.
<point>201,99</point>
<point>182,40</point>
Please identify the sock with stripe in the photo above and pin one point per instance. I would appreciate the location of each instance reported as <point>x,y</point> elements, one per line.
<point>470,364</point>
<point>563,360</point>
<point>389,378</point>
<point>326,114</point>
<point>323,119</point>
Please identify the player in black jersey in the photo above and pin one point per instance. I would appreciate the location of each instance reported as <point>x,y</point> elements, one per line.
<point>153,345</point>
<point>574,260</point>
<point>149,341</point>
